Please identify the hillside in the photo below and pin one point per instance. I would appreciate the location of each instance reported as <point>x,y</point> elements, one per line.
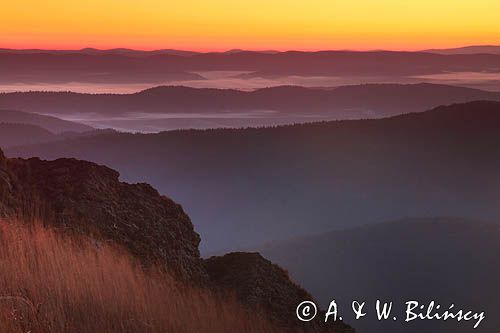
<point>244,187</point>
<point>87,200</point>
<point>17,134</point>
<point>52,124</point>
<point>19,128</point>
<point>448,260</point>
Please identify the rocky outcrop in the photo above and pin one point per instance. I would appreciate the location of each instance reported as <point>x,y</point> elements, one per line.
<point>264,285</point>
<point>87,198</point>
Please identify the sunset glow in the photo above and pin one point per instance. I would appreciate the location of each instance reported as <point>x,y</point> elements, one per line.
<point>257,24</point>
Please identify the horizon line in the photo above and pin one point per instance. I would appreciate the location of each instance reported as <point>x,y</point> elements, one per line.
<point>7,48</point>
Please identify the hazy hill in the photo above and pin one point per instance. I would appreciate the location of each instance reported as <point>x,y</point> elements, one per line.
<point>473,49</point>
<point>359,101</point>
<point>349,63</point>
<point>93,51</point>
<point>49,123</point>
<point>243,187</point>
<point>100,68</point>
<point>442,259</point>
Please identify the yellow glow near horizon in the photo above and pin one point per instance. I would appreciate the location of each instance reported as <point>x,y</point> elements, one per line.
<point>256,24</point>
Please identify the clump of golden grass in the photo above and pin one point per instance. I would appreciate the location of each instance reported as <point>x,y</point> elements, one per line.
<point>55,283</point>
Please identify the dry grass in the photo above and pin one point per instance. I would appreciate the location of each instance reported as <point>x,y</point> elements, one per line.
<point>55,283</point>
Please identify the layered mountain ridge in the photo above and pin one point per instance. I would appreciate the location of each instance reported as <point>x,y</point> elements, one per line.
<point>289,181</point>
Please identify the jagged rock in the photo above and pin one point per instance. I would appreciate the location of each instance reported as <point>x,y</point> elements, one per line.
<point>89,198</point>
<point>264,285</point>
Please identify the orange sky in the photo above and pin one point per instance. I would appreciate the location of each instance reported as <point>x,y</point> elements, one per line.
<point>256,24</point>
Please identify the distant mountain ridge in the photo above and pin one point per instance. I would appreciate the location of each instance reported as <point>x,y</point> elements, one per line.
<point>94,51</point>
<point>469,49</point>
<point>120,67</point>
<point>473,49</point>
<point>345,102</point>
<point>90,68</point>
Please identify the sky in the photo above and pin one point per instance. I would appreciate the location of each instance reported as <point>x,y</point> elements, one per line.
<point>256,25</point>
